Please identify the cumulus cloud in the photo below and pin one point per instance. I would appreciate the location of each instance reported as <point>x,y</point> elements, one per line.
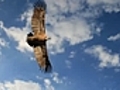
<point>18,35</point>
<point>114,38</point>
<point>73,30</point>
<point>65,22</point>
<point>107,57</point>
<point>20,85</point>
<point>69,20</point>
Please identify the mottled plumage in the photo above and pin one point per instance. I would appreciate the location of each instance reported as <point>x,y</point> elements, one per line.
<point>38,39</point>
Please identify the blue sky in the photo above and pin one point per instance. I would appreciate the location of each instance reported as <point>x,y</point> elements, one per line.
<point>84,49</point>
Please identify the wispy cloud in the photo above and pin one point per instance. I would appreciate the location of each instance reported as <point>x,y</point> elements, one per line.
<point>72,54</point>
<point>106,5</point>
<point>114,38</point>
<point>107,57</point>
<point>2,0</point>
<point>20,85</point>
<point>3,43</point>
<point>56,78</point>
<point>94,2</point>
<point>48,85</point>
<point>1,24</point>
<point>68,63</point>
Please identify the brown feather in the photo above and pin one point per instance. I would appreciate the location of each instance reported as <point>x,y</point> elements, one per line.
<point>38,39</point>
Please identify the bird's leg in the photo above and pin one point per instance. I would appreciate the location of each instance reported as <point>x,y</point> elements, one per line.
<point>44,37</point>
<point>47,38</point>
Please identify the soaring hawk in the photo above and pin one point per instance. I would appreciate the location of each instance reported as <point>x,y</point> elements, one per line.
<point>37,38</point>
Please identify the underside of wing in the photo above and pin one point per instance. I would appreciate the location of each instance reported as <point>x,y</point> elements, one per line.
<point>38,20</point>
<point>37,39</point>
<point>42,58</point>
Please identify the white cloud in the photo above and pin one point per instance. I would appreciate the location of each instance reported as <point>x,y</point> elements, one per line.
<point>26,85</point>
<point>74,27</point>
<point>20,85</point>
<point>55,78</point>
<point>2,86</point>
<point>26,16</point>
<point>62,27</point>
<point>114,38</point>
<point>63,6</point>
<point>68,62</point>
<point>1,24</point>
<point>106,57</point>
<point>73,30</point>
<point>94,2</point>
<point>48,85</point>
<point>18,34</point>
<point>106,5</point>
<point>47,81</point>
<point>72,54</point>
<point>3,42</point>
<point>58,79</point>
<point>104,1</point>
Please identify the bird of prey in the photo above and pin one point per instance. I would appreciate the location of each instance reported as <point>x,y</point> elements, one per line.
<point>37,38</point>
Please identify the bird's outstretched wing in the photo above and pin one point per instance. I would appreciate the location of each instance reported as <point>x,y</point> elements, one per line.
<point>40,48</point>
<point>42,58</point>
